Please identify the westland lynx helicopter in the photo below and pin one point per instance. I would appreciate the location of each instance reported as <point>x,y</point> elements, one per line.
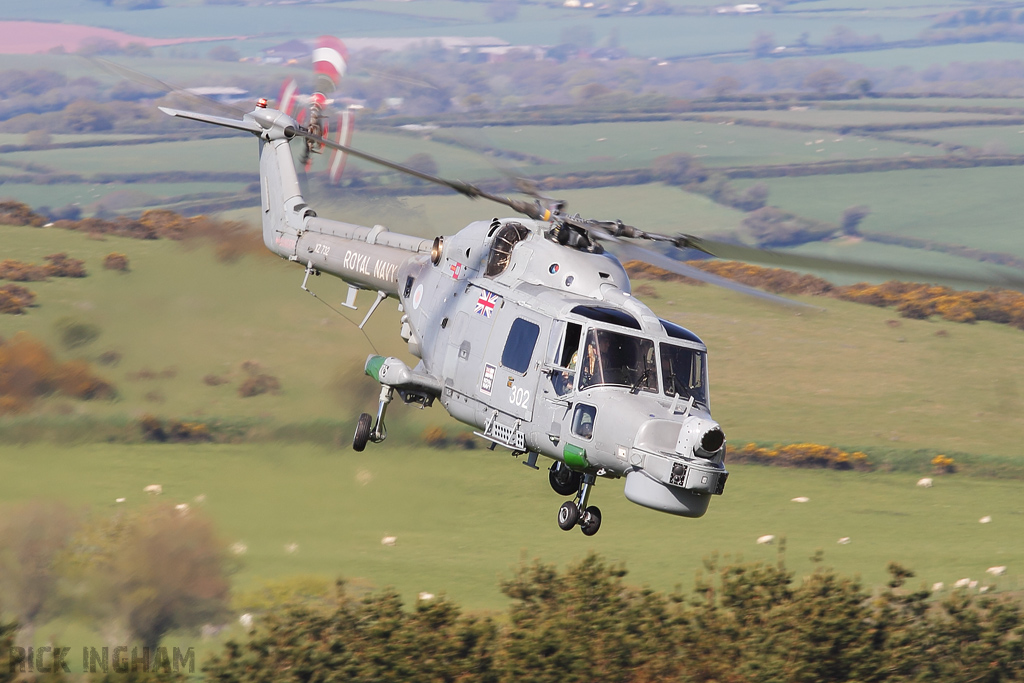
<point>526,330</point>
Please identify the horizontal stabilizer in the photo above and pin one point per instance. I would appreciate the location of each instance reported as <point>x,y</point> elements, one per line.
<point>247,125</point>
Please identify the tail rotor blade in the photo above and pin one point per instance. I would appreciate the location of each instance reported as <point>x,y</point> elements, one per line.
<point>330,62</point>
<point>342,136</point>
<point>289,96</point>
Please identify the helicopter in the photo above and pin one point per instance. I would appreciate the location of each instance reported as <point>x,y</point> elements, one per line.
<point>526,329</point>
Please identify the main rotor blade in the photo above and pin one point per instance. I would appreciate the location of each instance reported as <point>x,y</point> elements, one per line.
<point>631,252</point>
<point>738,252</point>
<point>157,84</point>
<point>531,209</point>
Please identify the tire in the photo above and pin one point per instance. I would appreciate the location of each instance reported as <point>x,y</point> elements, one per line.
<point>568,515</point>
<point>362,434</point>
<point>563,480</point>
<point>591,521</point>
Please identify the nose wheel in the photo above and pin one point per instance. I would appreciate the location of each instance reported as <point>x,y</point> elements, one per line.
<point>577,512</point>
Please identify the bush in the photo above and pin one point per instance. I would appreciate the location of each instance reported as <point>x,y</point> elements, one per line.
<point>804,455</point>
<point>61,266</point>
<point>29,371</point>
<point>14,299</point>
<point>259,384</point>
<point>74,334</point>
<point>116,261</point>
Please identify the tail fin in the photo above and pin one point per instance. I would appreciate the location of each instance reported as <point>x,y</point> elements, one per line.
<point>284,209</point>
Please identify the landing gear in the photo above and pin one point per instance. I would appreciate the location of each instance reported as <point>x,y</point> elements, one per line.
<point>568,515</point>
<point>362,432</point>
<point>378,432</point>
<point>564,481</point>
<point>577,512</point>
<point>591,521</point>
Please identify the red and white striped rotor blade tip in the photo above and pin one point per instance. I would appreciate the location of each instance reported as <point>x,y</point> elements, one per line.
<point>330,59</point>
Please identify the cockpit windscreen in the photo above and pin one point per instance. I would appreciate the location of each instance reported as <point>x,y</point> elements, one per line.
<point>684,372</point>
<point>618,359</point>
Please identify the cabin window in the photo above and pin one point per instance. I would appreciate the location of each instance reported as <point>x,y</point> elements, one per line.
<point>684,372</point>
<point>563,353</point>
<point>501,247</point>
<point>611,358</point>
<point>522,339</point>
<point>583,421</point>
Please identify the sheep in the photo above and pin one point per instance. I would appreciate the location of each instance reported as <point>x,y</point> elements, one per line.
<point>426,596</point>
<point>120,500</point>
<point>844,540</point>
<point>937,586</point>
<point>246,621</point>
<point>985,520</point>
<point>962,583</point>
<point>200,499</point>
<point>996,571</point>
<point>291,548</point>
<point>388,540</point>
<point>155,489</point>
<point>767,539</point>
<point>925,482</point>
<point>182,508</point>
<point>800,499</point>
<point>239,548</point>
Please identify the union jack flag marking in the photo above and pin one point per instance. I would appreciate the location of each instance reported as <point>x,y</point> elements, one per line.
<point>485,303</point>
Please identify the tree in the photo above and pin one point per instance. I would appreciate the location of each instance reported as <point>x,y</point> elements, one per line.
<point>677,169</point>
<point>503,10</point>
<point>724,86</point>
<point>33,536</point>
<point>852,216</point>
<point>825,81</point>
<point>422,162</point>
<point>150,571</point>
<point>224,53</point>
<point>84,116</point>
<point>763,44</point>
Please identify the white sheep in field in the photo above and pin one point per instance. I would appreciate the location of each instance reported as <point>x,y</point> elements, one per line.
<point>800,499</point>
<point>246,621</point>
<point>925,482</point>
<point>389,540</point>
<point>155,489</point>
<point>844,540</point>
<point>962,583</point>
<point>985,520</point>
<point>767,539</point>
<point>996,571</point>
<point>937,586</point>
<point>424,596</point>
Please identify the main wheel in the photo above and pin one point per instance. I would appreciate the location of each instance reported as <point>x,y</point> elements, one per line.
<point>362,434</point>
<point>591,521</point>
<point>563,480</point>
<point>568,515</point>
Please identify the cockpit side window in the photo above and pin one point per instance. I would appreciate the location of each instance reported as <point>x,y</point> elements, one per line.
<point>618,359</point>
<point>501,247</point>
<point>684,372</point>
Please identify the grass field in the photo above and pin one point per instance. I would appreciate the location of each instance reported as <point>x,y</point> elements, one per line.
<point>493,513</point>
<point>992,139</point>
<point>636,145</point>
<point>850,117</point>
<point>977,207</point>
<point>871,385</point>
